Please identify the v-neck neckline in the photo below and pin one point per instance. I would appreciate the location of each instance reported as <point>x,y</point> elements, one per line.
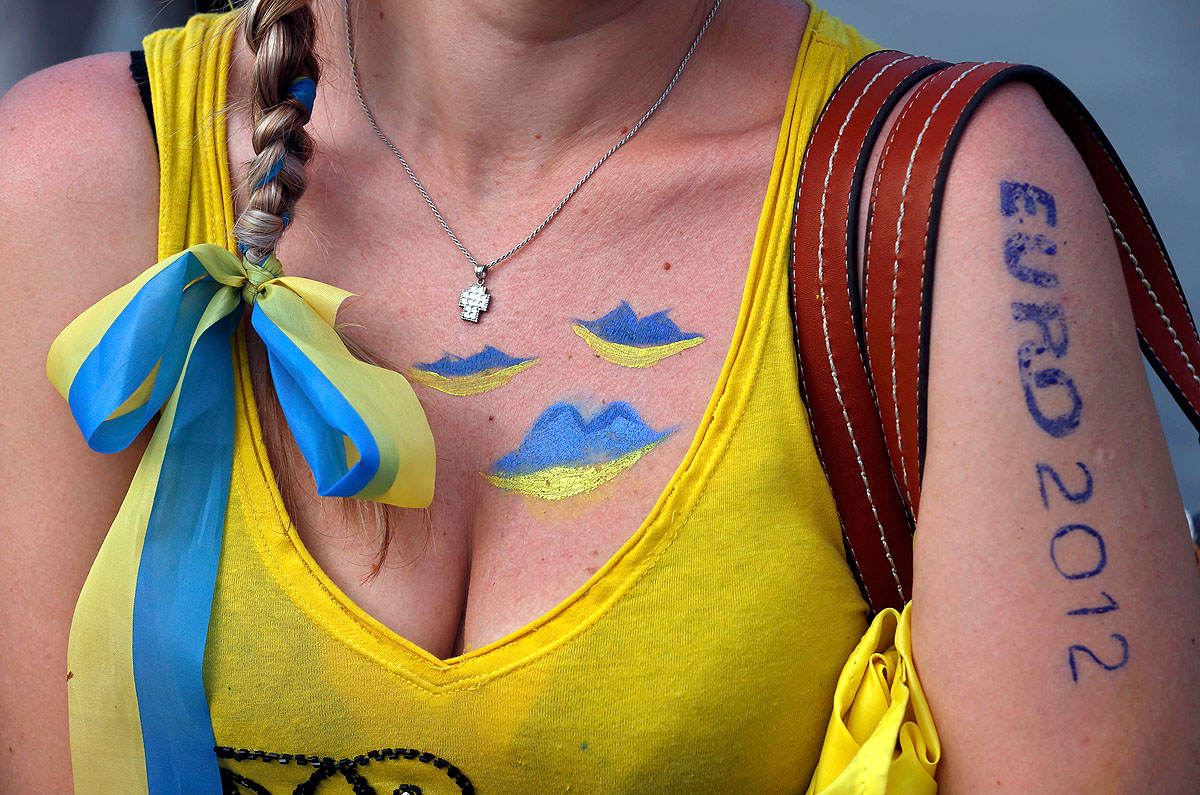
<point>311,590</point>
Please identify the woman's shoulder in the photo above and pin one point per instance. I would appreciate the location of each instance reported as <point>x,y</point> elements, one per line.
<point>78,214</point>
<point>60,117</point>
<point>78,174</point>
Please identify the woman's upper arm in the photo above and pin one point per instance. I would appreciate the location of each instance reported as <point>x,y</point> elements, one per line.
<point>78,217</point>
<point>1056,601</point>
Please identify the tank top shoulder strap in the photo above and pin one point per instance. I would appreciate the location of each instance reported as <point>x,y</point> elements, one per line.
<point>833,32</point>
<point>828,50</point>
<point>187,69</point>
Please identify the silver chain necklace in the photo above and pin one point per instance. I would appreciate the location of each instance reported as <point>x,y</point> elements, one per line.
<point>475,298</point>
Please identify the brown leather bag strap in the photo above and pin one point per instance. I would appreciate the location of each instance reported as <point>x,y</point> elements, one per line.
<point>864,380</point>
<point>903,228</point>
<point>835,384</point>
<point>902,232</point>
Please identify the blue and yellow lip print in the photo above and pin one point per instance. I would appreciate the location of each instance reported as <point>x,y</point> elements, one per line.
<point>621,338</point>
<point>489,369</point>
<point>563,455</point>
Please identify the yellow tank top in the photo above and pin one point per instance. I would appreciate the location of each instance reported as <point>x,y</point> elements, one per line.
<point>704,652</point>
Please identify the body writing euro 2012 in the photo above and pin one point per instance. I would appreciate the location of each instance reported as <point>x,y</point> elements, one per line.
<point>1077,551</point>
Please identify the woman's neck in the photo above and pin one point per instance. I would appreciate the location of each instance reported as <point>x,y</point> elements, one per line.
<point>480,87</point>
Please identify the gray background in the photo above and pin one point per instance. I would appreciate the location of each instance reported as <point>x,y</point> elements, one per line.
<point>1135,66</point>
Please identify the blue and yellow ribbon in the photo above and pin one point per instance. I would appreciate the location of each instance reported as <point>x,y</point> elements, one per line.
<point>162,343</point>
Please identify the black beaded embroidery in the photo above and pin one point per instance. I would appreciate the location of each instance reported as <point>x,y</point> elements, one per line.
<point>325,767</point>
<point>232,784</point>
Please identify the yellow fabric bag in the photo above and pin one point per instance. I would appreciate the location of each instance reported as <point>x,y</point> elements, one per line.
<point>881,738</point>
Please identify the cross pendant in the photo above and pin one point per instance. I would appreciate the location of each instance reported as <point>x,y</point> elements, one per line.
<point>473,300</point>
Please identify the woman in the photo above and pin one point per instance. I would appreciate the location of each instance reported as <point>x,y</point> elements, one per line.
<point>631,574</point>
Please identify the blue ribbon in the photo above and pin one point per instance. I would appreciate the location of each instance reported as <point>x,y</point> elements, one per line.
<point>168,349</point>
<point>304,90</point>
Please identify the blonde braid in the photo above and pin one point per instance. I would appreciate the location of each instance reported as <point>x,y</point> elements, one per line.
<point>281,35</point>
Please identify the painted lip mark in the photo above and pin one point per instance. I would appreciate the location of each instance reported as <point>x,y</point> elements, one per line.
<point>621,338</point>
<point>489,369</point>
<point>563,455</point>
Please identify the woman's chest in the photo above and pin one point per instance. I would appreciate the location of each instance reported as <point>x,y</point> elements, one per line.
<point>706,649</point>
<point>706,653</point>
<point>561,415</point>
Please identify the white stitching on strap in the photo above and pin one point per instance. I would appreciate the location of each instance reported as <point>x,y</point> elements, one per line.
<point>1154,297</point>
<point>883,159</point>
<point>796,335</point>
<point>896,262</point>
<point>837,386</point>
<point>1149,353</point>
<point>925,258</point>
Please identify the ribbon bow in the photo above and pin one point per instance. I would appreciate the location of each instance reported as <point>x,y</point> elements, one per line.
<point>360,427</point>
<point>258,275</point>
<point>162,342</point>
